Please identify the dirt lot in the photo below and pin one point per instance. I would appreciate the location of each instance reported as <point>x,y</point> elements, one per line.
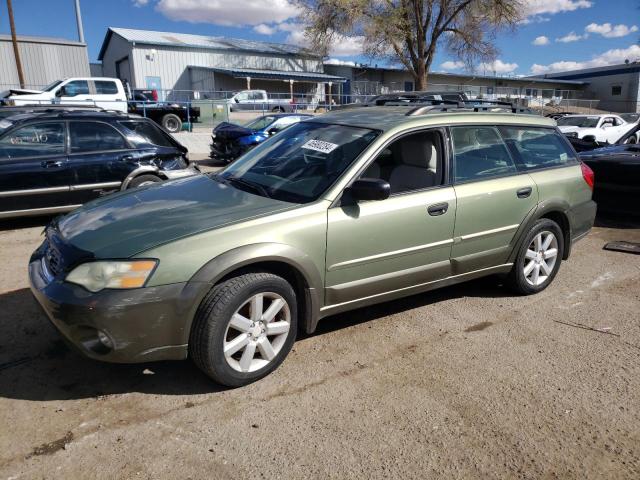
<point>465,382</point>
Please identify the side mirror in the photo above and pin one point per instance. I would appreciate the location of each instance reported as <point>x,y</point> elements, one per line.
<point>236,100</point>
<point>61,92</point>
<point>273,131</point>
<point>589,138</point>
<point>369,189</point>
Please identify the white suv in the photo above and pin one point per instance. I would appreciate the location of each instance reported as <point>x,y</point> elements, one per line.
<point>605,128</point>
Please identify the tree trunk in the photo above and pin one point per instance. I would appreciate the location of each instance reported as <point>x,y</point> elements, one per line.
<point>421,77</point>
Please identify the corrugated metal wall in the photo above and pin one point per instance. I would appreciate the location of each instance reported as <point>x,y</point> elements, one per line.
<point>42,63</point>
<point>170,64</point>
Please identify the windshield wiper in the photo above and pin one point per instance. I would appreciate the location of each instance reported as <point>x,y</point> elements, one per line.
<point>259,189</point>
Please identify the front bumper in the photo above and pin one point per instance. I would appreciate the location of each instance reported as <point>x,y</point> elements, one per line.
<point>143,324</point>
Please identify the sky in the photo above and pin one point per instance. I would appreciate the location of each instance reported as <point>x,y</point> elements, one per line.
<point>557,35</point>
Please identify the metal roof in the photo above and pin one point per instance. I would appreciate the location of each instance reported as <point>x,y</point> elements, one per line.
<point>50,40</point>
<point>275,74</point>
<point>149,37</point>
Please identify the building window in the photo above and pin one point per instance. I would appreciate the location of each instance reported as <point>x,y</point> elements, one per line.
<point>616,90</point>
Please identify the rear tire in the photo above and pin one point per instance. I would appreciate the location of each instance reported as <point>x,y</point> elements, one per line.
<point>172,123</point>
<point>142,180</point>
<point>244,328</point>
<point>538,259</point>
<point>278,110</point>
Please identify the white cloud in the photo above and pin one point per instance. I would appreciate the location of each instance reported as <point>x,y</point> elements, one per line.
<point>571,37</point>
<point>451,65</point>
<point>340,47</point>
<point>229,12</point>
<point>538,7</point>
<point>541,40</point>
<point>497,66</point>
<point>264,29</point>
<point>610,57</point>
<point>337,61</point>
<point>140,3</point>
<point>609,31</point>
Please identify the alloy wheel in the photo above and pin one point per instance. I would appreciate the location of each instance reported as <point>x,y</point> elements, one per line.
<point>257,332</point>
<point>540,258</point>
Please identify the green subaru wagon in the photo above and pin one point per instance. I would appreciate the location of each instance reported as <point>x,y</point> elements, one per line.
<point>348,209</point>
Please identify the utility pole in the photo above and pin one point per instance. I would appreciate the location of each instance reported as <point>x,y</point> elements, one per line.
<point>79,22</point>
<point>14,40</point>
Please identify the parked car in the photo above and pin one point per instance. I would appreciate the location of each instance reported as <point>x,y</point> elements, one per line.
<point>557,115</point>
<point>340,211</point>
<point>170,115</point>
<point>258,101</point>
<point>54,162</point>
<point>108,93</point>
<point>617,170</point>
<point>605,128</point>
<point>229,140</point>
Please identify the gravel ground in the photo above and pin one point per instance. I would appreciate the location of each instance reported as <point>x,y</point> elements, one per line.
<point>465,382</point>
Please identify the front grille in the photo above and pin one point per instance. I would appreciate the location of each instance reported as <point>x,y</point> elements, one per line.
<point>53,259</point>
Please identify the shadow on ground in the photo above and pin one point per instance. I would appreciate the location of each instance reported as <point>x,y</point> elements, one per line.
<point>36,364</point>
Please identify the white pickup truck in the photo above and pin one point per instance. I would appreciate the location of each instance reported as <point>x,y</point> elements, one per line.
<point>107,93</point>
<point>259,101</point>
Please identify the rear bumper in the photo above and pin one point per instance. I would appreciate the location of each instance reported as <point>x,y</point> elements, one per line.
<point>144,324</point>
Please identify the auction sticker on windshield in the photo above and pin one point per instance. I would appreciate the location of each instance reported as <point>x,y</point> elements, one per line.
<point>320,146</point>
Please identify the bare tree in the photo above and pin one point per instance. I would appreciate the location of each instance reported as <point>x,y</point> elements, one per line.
<point>412,31</point>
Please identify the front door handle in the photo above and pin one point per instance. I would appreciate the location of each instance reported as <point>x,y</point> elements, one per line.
<point>524,192</point>
<point>51,164</point>
<point>126,158</point>
<point>438,209</point>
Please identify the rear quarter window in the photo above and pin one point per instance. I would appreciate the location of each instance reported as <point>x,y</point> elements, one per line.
<point>147,133</point>
<point>536,148</point>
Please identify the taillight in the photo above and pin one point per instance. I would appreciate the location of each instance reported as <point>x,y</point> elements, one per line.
<point>154,94</point>
<point>588,175</point>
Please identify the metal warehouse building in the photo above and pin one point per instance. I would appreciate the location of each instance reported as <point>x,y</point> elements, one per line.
<point>179,63</point>
<point>616,86</point>
<point>43,61</point>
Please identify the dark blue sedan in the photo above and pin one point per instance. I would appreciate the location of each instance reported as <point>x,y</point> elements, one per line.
<point>230,140</point>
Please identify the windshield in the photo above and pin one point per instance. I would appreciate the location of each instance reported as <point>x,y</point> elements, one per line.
<point>261,122</point>
<point>582,122</point>
<point>51,86</point>
<point>300,163</point>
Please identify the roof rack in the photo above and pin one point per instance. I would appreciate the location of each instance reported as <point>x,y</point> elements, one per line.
<point>466,106</point>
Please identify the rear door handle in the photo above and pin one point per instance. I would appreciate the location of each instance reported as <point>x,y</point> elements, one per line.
<point>51,164</point>
<point>524,192</point>
<point>438,209</point>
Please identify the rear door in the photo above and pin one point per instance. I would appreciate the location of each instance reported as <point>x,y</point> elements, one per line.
<point>108,95</point>
<point>494,198</point>
<point>34,171</point>
<point>100,158</point>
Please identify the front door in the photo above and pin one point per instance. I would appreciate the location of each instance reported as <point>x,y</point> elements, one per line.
<point>375,247</point>
<point>493,198</point>
<point>76,92</point>
<point>34,171</point>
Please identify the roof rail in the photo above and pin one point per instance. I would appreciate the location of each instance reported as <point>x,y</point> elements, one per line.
<point>463,106</point>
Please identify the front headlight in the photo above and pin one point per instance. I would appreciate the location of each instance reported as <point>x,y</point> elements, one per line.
<point>95,276</point>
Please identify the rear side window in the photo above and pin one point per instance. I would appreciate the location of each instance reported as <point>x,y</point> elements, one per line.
<point>480,153</point>
<point>42,139</point>
<point>94,136</point>
<point>148,132</point>
<point>105,87</point>
<point>536,148</point>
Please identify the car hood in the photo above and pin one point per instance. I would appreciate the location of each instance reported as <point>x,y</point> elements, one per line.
<point>570,128</point>
<point>18,91</point>
<point>127,223</point>
<point>231,130</point>
<point>603,151</point>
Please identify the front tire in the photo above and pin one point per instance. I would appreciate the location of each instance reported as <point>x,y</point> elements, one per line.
<point>538,259</point>
<point>244,328</point>
<point>143,180</point>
